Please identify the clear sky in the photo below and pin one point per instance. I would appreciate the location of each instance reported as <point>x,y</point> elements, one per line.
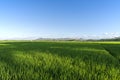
<point>59,18</point>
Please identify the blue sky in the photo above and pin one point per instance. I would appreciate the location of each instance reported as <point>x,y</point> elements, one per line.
<point>59,18</point>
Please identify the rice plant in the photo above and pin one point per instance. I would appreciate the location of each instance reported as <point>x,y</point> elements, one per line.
<point>45,60</point>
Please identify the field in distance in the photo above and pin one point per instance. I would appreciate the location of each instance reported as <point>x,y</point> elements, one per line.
<point>57,60</point>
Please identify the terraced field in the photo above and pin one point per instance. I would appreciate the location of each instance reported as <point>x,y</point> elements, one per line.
<point>45,60</point>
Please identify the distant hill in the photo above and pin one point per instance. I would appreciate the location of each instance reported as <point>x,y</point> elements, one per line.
<point>111,39</point>
<point>62,39</point>
<point>79,39</point>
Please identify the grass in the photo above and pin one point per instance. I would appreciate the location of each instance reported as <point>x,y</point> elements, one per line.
<point>47,60</point>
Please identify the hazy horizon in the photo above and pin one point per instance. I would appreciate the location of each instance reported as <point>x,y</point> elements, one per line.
<point>89,19</point>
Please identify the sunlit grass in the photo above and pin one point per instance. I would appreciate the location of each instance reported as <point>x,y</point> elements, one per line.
<point>59,61</point>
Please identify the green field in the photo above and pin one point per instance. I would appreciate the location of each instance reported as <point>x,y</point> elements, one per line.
<point>45,60</point>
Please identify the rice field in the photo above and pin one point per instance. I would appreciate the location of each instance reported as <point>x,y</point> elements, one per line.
<point>59,60</point>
